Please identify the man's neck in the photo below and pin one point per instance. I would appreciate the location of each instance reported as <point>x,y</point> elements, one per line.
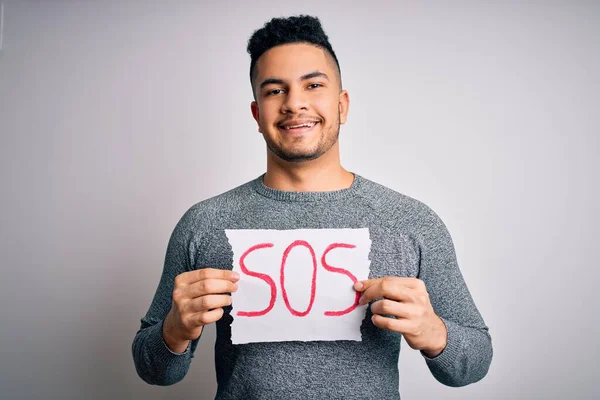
<point>317,175</point>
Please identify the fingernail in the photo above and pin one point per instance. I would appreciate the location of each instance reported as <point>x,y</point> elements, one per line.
<point>236,276</point>
<point>362,301</point>
<point>358,285</point>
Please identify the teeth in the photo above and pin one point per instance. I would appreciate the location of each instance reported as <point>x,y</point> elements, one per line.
<point>301,126</point>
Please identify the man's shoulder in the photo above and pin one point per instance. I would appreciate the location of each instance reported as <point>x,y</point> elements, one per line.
<point>236,195</point>
<point>387,199</point>
<point>398,210</point>
<point>211,208</point>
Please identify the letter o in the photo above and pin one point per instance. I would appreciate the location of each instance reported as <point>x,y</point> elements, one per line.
<point>313,287</point>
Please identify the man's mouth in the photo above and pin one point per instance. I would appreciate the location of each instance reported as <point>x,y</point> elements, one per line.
<point>298,127</point>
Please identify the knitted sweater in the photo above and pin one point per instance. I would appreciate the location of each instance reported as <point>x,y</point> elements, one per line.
<point>408,239</point>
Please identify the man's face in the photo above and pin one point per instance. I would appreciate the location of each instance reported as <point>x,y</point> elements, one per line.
<point>299,105</point>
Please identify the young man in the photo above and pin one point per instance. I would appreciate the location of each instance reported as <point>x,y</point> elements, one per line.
<point>416,288</point>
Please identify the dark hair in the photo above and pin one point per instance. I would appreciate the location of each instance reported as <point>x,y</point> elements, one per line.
<point>296,29</point>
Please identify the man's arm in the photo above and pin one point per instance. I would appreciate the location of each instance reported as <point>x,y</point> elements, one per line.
<point>154,362</point>
<point>468,353</point>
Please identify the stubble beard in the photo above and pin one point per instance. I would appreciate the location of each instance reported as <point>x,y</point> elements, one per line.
<point>326,141</point>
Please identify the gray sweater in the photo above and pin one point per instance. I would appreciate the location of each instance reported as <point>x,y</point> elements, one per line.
<point>408,239</point>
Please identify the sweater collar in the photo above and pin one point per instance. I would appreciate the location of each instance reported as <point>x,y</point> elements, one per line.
<point>297,196</point>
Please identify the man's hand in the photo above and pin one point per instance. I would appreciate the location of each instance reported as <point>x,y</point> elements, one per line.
<point>407,300</point>
<point>198,299</point>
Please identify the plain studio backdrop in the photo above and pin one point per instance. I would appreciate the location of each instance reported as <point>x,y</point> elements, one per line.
<point>116,117</point>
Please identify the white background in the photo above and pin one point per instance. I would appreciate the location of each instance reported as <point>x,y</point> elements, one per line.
<point>116,117</point>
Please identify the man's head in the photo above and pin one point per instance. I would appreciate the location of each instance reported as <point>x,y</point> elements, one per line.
<point>281,31</point>
<point>296,80</point>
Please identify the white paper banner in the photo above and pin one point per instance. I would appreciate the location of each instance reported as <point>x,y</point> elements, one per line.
<point>298,284</point>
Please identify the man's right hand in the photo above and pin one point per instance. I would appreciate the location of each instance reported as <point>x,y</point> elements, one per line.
<point>198,299</point>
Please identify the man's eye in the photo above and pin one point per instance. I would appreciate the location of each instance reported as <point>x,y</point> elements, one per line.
<point>274,91</point>
<point>314,85</point>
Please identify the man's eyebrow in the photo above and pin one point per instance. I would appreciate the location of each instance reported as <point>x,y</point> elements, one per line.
<point>316,74</point>
<point>272,81</point>
<point>278,81</point>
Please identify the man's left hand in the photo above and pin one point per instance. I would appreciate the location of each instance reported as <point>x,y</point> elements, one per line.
<point>407,300</point>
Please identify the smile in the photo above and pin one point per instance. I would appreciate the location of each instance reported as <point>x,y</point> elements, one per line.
<point>299,128</point>
<point>308,125</point>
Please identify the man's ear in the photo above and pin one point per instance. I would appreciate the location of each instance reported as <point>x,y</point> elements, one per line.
<point>343,106</point>
<point>256,114</point>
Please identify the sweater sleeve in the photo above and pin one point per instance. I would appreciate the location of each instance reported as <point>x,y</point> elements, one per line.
<point>154,362</point>
<point>468,353</point>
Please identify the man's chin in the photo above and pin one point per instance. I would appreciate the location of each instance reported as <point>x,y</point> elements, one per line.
<point>298,157</point>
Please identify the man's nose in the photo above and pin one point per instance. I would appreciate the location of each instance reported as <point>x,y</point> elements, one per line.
<point>295,100</point>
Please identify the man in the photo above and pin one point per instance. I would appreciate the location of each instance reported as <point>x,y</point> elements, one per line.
<point>416,288</point>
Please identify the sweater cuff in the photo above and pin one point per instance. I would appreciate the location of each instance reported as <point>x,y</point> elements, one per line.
<point>453,350</point>
<point>158,343</point>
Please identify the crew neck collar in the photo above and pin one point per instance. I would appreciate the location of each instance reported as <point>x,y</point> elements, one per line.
<point>297,196</point>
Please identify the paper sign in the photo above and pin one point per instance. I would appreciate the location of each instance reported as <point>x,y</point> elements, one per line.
<point>298,284</point>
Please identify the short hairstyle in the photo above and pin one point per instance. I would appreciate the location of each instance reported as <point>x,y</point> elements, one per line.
<point>295,29</point>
